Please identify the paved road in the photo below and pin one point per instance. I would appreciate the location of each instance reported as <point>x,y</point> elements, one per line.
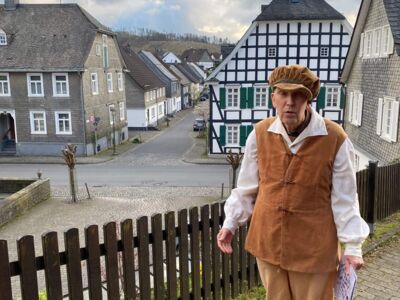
<point>155,163</point>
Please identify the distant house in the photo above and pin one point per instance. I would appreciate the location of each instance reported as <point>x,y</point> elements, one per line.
<point>60,81</point>
<point>145,92</point>
<point>173,90</point>
<point>196,79</point>
<point>170,58</point>
<point>199,56</point>
<point>216,57</point>
<point>372,76</point>
<point>305,32</point>
<point>198,70</point>
<point>185,85</point>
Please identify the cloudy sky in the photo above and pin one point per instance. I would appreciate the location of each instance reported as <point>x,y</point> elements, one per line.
<point>222,18</point>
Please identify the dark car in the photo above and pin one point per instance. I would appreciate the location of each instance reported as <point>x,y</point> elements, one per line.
<point>204,97</point>
<point>199,124</point>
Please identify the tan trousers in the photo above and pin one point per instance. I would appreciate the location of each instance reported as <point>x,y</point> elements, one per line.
<point>288,285</point>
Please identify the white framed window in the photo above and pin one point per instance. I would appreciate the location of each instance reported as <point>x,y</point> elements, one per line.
<point>272,52</point>
<point>122,111</point>
<point>153,112</point>
<point>4,84</point>
<point>105,51</point>
<point>35,84</point>
<point>232,135</point>
<point>111,113</point>
<point>60,84</point>
<point>109,83</point>
<point>146,97</point>
<point>387,41</point>
<point>98,50</point>
<point>332,97</point>
<point>368,43</point>
<point>232,94</point>
<point>356,100</point>
<point>261,96</point>
<point>94,83</point>
<point>38,122</point>
<point>388,118</point>
<point>160,109</point>
<point>120,81</point>
<point>3,38</point>
<point>377,42</point>
<point>63,122</point>
<point>324,52</point>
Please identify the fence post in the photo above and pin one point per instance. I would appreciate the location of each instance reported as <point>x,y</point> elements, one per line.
<point>371,213</point>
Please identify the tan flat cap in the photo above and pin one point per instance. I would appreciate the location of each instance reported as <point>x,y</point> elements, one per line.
<point>295,77</point>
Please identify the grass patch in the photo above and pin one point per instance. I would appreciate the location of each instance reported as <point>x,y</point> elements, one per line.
<point>383,227</point>
<point>256,293</point>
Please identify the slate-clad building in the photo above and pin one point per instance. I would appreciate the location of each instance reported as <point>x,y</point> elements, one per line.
<point>305,32</point>
<point>61,81</point>
<point>372,77</point>
<point>145,92</point>
<point>185,85</point>
<point>199,56</point>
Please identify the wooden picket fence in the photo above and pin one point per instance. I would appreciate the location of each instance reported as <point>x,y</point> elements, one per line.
<point>135,265</point>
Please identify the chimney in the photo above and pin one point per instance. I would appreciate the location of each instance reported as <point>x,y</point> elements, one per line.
<point>11,4</point>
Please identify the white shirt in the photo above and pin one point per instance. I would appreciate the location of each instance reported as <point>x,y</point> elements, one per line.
<point>351,228</point>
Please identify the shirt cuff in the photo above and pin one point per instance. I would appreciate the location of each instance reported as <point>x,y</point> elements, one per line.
<point>230,224</point>
<point>353,249</point>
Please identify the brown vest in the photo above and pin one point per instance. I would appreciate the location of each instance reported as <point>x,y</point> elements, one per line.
<point>292,223</point>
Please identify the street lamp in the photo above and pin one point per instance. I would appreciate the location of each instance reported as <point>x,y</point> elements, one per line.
<point>112,109</point>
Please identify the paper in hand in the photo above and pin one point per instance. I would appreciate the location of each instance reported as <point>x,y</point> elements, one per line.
<point>345,283</point>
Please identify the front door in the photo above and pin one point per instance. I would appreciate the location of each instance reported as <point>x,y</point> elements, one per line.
<point>7,133</point>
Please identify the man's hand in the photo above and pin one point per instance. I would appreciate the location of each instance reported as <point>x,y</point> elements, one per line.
<point>355,261</point>
<point>224,240</point>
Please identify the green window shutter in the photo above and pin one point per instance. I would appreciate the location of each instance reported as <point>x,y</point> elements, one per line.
<point>249,130</point>
<point>105,62</point>
<point>243,97</point>
<point>270,98</point>
<point>222,135</point>
<point>342,97</point>
<point>250,97</point>
<point>243,135</point>
<point>222,97</point>
<point>321,98</point>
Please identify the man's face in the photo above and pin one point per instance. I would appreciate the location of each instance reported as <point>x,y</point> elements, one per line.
<point>290,106</point>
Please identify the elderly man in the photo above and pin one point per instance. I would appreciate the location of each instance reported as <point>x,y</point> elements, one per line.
<point>298,185</point>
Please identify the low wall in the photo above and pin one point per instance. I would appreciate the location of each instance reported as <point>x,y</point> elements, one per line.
<point>26,193</point>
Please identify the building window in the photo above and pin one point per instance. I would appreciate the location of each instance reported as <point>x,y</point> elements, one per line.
<point>98,49</point>
<point>261,96</point>
<point>387,41</point>
<point>120,82</point>
<point>232,135</point>
<point>94,84</point>
<point>355,108</point>
<point>109,83</point>
<point>105,51</point>
<point>324,52</point>
<point>388,118</point>
<point>368,44</point>
<point>38,122</point>
<point>160,109</point>
<point>377,42</point>
<point>153,112</point>
<point>111,113</point>
<point>4,85</point>
<point>35,85</point>
<point>122,111</point>
<point>3,38</point>
<point>233,97</point>
<point>332,97</point>
<point>271,52</point>
<point>60,85</point>
<point>63,122</point>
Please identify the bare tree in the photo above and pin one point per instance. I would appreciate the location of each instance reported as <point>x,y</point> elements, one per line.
<point>69,157</point>
<point>234,160</point>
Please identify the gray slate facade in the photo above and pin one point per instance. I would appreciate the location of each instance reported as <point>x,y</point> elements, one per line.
<point>375,74</point>
<point>48,66</point>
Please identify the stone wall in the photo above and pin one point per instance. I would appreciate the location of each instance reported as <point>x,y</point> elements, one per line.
<point>25,194</point>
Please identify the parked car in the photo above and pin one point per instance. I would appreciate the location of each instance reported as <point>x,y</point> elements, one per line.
<point>204,97</point>
<point>199,124</point>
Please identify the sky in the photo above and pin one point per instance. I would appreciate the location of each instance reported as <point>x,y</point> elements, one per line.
<point>222,18</point>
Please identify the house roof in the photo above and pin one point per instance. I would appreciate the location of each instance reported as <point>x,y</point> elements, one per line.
<point>194,55</point>
<point>197,70</point>
<point>298,10</point>
<point>392,8</point>
<point>47,37</point>
<point>183,79</point>
<point>189,72</point>
<point>138,70</point>
<point>158,64</point>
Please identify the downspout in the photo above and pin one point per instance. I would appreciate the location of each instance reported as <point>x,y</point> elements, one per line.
<point>80,74</point>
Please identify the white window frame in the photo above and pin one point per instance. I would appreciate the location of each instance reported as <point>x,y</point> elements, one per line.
<point>122,111</point>
<point>110,113</point>
<point>120,81</point>
<point>29,81</point>
<point>232,96</point>
<point>388,118</point>
<point>98,49</point>
<point>153,112</point>
<point>272,51</point>
<point>160,109</point>
<point>5,83</point>
<point>324,52</point>
<point>377,42</point>
<point>105,49</point>
<point>368,37</point>
<point>32,121</point>
<point>110,88</point>
<point>355,107</point>
<point>54,75</point>
<point>232,135</point>
<point>57,119</point>
<point>387,41</point>
<point>261,91</point>
<point>329,98</point>
<point>3,38</point>
<point>94,83</point>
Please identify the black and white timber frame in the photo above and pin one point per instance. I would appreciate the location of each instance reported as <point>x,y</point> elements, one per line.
<point>321,45</point>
